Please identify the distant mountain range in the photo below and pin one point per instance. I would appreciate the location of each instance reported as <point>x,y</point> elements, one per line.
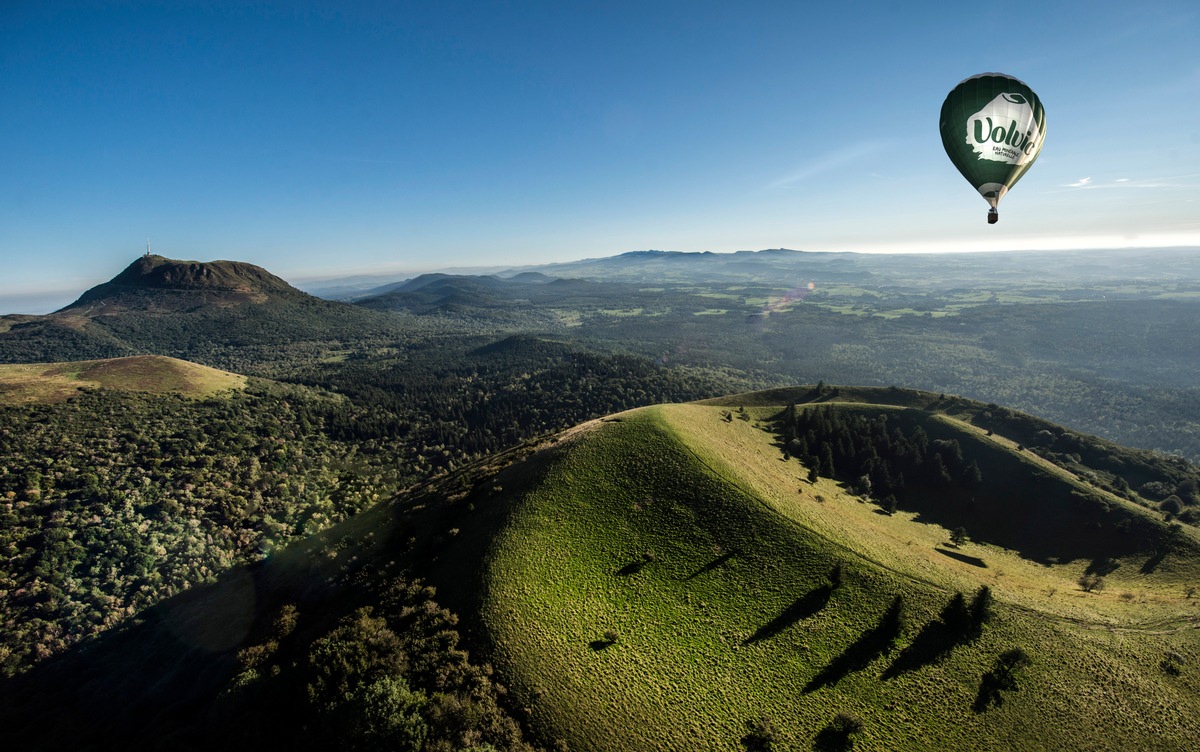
<point>781,265</point>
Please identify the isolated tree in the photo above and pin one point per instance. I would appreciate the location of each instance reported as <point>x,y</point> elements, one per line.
<point>959,536</point>
<point>890,504</point>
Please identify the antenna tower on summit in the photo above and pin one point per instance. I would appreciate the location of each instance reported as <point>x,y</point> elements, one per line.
<point>147,246</point>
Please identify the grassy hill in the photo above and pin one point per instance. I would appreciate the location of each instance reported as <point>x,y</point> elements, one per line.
<point>668,578</point>
<point>153,374</point>
<point>665,583</point>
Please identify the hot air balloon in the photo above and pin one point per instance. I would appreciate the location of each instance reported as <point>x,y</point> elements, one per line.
<point>993,127</point>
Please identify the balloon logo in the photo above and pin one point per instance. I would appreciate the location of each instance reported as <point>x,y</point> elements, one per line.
<point>993,127</point>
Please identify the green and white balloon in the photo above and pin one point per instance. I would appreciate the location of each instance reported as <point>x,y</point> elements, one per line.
<point>993,127</point>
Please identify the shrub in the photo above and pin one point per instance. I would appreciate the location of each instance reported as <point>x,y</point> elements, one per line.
<point>1172,663</point>
<point>1091,582</point>
<point>761,736</point>
<point>1171,505</point>
<point>846,723</point>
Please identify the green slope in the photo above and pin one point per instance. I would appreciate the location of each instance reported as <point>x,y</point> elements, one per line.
<point>664,582</point>
<point>152,374</point>
<point>683,531</point>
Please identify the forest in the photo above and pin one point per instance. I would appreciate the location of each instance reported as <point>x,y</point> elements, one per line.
<point>113,501</point>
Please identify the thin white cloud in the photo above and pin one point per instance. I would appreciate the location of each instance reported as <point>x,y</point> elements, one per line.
<point>1172,181</point>
<point>829,161</point>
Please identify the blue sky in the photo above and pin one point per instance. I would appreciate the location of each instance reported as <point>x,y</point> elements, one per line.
<point>326,138</point>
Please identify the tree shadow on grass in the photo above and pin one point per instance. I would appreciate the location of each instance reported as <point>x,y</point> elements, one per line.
<point>1152,563</point>
<point>804,607</point>
<point>838,734</point>
<point>830,739</point>
<point>933,643</point>
<point>872,643</point>
<point>1003,677</point>
<point>957,625</point>
<point>974,561</point>
<point>715,563</point>
<point>1102,566</point>
<point>632,567</point>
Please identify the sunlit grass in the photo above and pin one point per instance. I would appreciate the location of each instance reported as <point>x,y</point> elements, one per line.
<point>684,533</point>
<point>55,382</point>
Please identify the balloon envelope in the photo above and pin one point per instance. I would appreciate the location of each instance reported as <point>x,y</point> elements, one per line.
<point>993,127</point>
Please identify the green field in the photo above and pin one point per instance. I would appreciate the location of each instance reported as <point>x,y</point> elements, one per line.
<point>55,382</point>
<point>665,583</point>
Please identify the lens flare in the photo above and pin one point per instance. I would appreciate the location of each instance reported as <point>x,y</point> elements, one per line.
<point>795,295</point>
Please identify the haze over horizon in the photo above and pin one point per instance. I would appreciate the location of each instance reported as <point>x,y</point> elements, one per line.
<point>318,140</point>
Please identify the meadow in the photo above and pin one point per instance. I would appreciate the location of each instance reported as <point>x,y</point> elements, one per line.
<point>55,382</point>
<point>667,584</point>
